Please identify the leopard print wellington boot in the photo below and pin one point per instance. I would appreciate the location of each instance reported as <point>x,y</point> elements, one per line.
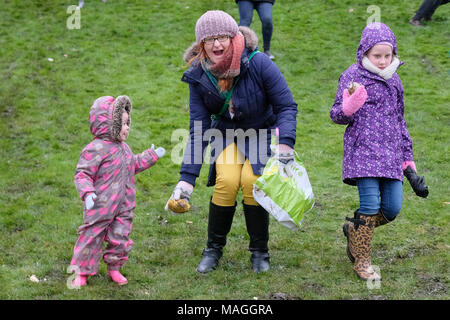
<point>379,221</point>
<point>348,225</point>
<point>360,235</point>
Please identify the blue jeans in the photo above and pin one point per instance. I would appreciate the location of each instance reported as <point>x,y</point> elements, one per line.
<point>380,193</point>
<point>264,10</point>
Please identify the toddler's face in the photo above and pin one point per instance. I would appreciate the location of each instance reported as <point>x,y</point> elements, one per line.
<point>380,55</point>
<point>125,127</point>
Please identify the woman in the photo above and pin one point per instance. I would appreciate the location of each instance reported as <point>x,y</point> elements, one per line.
<point>224,60</point>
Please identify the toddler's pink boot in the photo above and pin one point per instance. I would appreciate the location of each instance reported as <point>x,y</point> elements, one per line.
<point>117,277</point>
<point>80,281</point>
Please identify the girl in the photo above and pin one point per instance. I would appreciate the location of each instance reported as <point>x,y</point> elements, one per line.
<point>377,145</point>
<point>233,88</point>
<point>105,181</point>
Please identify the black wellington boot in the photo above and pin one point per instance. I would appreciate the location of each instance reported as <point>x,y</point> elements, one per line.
<point>219,224</point>
<point>257,221</point>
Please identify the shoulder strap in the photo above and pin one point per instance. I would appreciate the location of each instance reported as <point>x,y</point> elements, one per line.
<point>212,79</point>
<point>252,54</point>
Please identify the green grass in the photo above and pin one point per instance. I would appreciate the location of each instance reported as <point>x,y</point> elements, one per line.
<point>135,48</point>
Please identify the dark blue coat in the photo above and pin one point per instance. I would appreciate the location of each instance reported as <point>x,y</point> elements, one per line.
<point>261,100</point>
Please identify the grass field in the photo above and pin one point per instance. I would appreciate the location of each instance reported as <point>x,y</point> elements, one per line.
<point>135,48</point>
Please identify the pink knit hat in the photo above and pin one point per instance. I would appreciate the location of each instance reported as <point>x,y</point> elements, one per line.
<point>213,23</point>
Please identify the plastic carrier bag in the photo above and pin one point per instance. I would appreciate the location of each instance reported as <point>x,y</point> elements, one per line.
<point>285,191</point>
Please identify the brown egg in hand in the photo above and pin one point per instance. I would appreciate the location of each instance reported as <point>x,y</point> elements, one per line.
<point>179,206</point>
<point>352,87</point>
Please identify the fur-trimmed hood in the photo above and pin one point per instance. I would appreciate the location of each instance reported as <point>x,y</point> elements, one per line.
<point>106,116</point>
<point>251,43</point>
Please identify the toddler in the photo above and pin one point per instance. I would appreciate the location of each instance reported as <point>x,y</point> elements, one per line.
<point>104,179</point>
<point>377,145</point>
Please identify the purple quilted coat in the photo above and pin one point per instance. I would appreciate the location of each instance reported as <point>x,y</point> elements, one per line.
<point>376,140</point>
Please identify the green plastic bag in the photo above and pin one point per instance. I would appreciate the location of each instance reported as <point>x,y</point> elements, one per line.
<point>285,191</point>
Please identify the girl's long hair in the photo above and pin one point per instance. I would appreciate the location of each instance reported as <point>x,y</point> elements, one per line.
<point>225,84</point>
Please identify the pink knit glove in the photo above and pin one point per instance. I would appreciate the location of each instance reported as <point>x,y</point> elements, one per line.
<point>409,163</point>
<point>352,103</point>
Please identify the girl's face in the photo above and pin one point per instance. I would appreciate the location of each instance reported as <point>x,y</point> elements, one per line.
<point>380,55</point>
<point>125,128</point>
<point>215,47</point>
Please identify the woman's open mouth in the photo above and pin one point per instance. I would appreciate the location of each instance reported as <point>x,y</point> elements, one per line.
<point>218,52</point>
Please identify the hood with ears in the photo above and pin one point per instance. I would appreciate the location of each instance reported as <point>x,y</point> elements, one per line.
<point>105,117</point>
<point>251,43</point>
<point>372,34</point>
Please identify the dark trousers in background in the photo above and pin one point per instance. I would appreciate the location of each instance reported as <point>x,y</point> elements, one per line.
<point>427,9</point>
<point>264,10</point>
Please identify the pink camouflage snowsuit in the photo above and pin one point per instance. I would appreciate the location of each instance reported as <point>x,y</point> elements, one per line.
<point>107,168</point>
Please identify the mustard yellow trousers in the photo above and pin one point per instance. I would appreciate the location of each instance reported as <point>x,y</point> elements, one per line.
<point>233,172</point>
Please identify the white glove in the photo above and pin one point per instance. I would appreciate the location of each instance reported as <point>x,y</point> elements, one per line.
<point>183,190</point>
<point>89,201</point>
<point>160,152</point>
<point>283,152</point>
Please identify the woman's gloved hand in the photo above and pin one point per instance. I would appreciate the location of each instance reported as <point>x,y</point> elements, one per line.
<point>286,153</point>
<point>353,102</point>
<point>179,200</point>
<point>283,152</point>
<point>89,201</point>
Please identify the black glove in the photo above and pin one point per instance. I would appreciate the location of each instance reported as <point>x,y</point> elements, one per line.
<point>417,182</point>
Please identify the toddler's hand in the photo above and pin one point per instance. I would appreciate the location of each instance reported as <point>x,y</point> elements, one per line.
<point>352,103</point>
<point>89,201</point>
<point>160,152</point>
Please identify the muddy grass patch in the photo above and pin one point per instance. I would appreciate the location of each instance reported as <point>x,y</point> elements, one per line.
<point>408,251</point>
<point>431,286</point>
<point>282,296</point>
<point>371,297</point>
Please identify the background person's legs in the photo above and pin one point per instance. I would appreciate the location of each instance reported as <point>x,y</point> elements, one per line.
<point>264,10</point>
<point>245,13</point>
<point>426,11</point>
